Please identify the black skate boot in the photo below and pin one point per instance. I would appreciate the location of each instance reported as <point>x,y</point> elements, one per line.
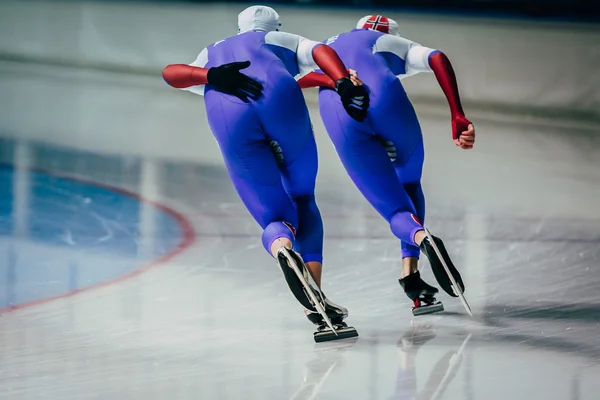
<point>438,269</point>
<point>319,309</point>
<point>336,314</point>
<point>297,278</point>
<point>421,294</point>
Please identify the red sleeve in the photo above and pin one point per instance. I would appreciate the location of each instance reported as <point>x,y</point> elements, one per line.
<point>314,79</point>
<point>329,62</point>
<point>182,75</point>
<point>442,68</point>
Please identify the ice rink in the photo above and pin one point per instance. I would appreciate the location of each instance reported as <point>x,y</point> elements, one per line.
<point>143,277</point>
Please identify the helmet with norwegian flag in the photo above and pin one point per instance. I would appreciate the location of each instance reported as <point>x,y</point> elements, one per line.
<point>378,23</point>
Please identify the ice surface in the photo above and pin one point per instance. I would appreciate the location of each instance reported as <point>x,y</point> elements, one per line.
<point>519,215</point>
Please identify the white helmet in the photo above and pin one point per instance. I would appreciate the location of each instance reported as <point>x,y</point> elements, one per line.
<point>379,23</point>
<point>258,18</point>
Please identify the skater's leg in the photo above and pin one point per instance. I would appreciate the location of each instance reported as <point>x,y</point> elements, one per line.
<point>253,171</point>
<point>366,160</point>
<point>396,125</point>
<point>410,265</point>
<point>395,121</point>
<point>292,140</point>
<point>409,168</point>
<point>299,180</point>
<point>288,127</point>
<point>409,173</point>
<point>275,236</point>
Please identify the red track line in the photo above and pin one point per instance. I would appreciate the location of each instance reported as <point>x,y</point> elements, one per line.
<point>189,236</point>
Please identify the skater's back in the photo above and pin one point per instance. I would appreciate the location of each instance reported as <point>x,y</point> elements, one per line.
<point>359,50</point>
<point>275,59</point>
<point>381,59</point>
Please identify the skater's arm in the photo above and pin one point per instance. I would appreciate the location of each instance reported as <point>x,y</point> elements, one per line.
<point>314,55</point>
<point>315,79</point>
<point>311,56</point>
<point>320,56</point>
<point>422,59</point>
<point>463,131</point>
<point>226,78</point>
<point>355,99</point>
<point>329,62</point>
<point>183,76</point>
<point>444,73</point>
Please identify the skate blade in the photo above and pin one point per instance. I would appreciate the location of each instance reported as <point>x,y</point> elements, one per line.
<point>328,335</point>
<point>455,286</point>
<point>335,345</point>
<point>430,309</point>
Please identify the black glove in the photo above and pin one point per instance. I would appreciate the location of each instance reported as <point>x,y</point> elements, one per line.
<point>354,98</point>
<point>228,79</point>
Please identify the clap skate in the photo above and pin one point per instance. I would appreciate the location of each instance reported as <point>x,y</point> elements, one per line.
<point>443,269</point>
<point>336,314</point>
<point>421,294</point>
<point>319,310</point>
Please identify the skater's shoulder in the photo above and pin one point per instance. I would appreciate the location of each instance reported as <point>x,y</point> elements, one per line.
<point>356,37</point>
<point>283,39</point>
<point>363,32</point>
<point>219,44</point>
<point>246,39</point>
<point>393,44</point>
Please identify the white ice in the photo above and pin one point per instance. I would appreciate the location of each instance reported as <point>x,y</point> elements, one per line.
<point>520,215</point>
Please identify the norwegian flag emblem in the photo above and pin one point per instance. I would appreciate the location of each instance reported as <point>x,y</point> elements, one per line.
<point>378,23</point>
<point>291,227</point>
<point>416,219</point>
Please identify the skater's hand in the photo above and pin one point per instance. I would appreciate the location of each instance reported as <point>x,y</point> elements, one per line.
<point>354,98</point>
<point>227,78</point>
<point>354,77</point>
<point>466,140</point>
<point>463,132</point>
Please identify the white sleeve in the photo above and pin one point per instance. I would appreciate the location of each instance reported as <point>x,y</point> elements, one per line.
<point>396,45</point>
<point>306,62</point>
<point>415,56</point>
<point>300,45</point>
<point>417,59</point>
<point>200,62</point>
